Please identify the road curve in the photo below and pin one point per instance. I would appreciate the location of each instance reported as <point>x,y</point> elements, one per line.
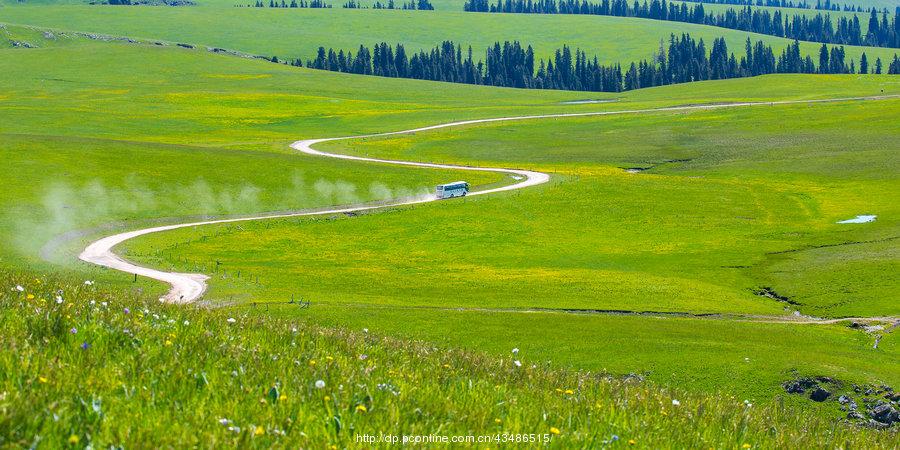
<point>188,287</point>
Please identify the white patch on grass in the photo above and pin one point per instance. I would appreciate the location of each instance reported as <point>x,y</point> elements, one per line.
<point>860,219</point>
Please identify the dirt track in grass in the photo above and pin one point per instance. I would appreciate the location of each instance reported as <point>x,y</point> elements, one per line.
<point>188,287</point>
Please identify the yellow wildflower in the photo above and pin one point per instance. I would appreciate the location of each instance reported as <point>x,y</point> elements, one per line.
<point>30,296</point>
<point>569,391</point>
<point>361,408</point>
<point>632,442</point>
<point>558,390</point>
<point>283,397</point>
<point>554,430</point>
<point>73,439</point>
<point>312,362</point>
<point>329,359</point>
<point>168,343</point>
<point>498,421</point>
<point>259,431</point>
<point>446,366</point>
<point>42,380</point>
<point>745,446</point>
<point>327,398</point>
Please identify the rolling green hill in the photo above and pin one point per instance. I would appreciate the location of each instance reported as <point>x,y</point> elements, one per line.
<point>211,132</point>
<point>652,275</point>
<point>295,33</point>
<point>105,369</point>
<point>692,235</point>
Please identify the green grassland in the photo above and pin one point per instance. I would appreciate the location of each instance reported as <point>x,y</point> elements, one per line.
<point>291,33</point>
<point>234,133</point>
<point>738,198</point>
<point>122,135</point>
<point>195,134</point>
<point>218,127</point>
<point>717,8</point>
<point>86,366</point>
<point>692,236</point>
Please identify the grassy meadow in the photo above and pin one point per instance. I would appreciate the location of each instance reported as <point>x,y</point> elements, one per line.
<point>729,200</point>
<point>178,147</point>
<point>88,364</point>
<point>738,210</point>
<point>292,33</point>
<point>630,296</point>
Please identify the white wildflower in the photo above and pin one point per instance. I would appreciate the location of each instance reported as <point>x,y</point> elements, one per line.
<point>320,384</point>
<point>59,300</point>
<point>515,351</point>
<point>20,288</point>
<point>517,363</point>
<point>231,320</point>
<point>186,323</point>
<point>675,402</point>
<point>88,283</point>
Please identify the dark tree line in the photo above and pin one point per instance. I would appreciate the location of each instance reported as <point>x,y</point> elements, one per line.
<point>514,65</point>
<point>884,31</point>
<point>423,5</point>
<point>774,3</point>
<point>827,5</point>
<point>292,4</point>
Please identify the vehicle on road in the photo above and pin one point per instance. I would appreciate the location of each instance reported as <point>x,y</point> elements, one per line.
<point>450,190</point>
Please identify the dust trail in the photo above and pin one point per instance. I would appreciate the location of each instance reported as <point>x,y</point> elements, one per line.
<point>190,287</point>
<point>68,211</point>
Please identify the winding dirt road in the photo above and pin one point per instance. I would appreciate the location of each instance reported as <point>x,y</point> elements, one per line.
<point>188,287</point>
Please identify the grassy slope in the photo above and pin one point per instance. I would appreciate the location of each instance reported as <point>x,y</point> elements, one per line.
<point>299,32</point>
<point>457,5</point>
<point>742,196</point>
<point>174,106</point>
<point>214,113</point>
<point>83,370</point>
<point>196,134</point>
<point>701,246</point>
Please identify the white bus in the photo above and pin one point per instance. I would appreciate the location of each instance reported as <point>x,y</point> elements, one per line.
<point>450,190</point>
